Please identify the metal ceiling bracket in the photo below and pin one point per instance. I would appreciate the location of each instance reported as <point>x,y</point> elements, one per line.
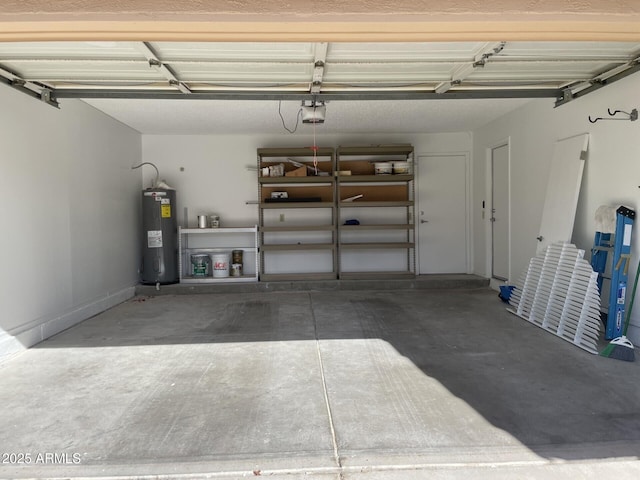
<point>318,67</point>
<point>161,67</point>
<point>465,70</point>
<point>28,88</point>
<point>566,96</point>
<point>496,49</point>
<point>602,80</point>
<point>45,95</point>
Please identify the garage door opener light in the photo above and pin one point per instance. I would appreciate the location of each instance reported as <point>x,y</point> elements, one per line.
<point>313,111</point>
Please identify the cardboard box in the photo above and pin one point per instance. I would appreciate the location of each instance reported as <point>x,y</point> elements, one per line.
<point>298,172</point>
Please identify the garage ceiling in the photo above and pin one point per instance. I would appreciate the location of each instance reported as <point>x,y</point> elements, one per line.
<point>127,78</point>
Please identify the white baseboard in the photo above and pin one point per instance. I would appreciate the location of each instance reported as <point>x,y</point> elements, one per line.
<point>9,346</point>
<point>13,343</point>
<point>495,284</point>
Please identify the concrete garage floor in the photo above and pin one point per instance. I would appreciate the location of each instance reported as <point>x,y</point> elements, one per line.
<point>402,384</point>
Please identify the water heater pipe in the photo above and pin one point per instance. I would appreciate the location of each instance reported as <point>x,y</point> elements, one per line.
<point>155,182</point>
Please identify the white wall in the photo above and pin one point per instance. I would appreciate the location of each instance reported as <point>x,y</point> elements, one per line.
<point>220,175</point>
<point>611,175</point>
<point>219,170</point>
<point>70,205</point>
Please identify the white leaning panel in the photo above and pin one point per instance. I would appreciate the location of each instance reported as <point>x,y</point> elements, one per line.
<point>559,293</point>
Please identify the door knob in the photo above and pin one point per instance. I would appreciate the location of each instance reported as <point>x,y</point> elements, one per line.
<point>424,221</point>
<point>539,238</point>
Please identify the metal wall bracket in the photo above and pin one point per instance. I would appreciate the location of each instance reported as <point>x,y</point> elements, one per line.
<point>631,116</point>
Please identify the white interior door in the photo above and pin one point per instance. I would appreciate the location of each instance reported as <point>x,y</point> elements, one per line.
<point>563,189</point>
<point>442,213</point>
<point>500,212</point>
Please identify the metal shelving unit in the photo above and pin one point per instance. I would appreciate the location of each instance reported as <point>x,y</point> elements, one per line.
<point>210,244</point>
<point>319,194</point>
<point>387,229</point>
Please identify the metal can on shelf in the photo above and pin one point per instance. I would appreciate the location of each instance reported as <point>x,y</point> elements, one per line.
<point>236,269</point>
<point>236,256</point>
<point>200,265</point>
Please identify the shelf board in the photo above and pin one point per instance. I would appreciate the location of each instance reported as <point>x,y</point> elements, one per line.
<point>221,249</point>
<point>375,150</point>
<point>295,152</point>
<point>242,279</point>
<point>380,245</point>
<point>218,230</point>
<point>404,226</point>
<point>375,275</point>
<point>281,205</point>
<point>319,179</point>
<point>267,277</point>
<point>299,228</point>
<point>359,203</point>
<point>375,178</point>
<point>280,247</point>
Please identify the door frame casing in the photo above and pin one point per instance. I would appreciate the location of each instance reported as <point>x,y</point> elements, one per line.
<point>489,208</point>
<point>468,204</point>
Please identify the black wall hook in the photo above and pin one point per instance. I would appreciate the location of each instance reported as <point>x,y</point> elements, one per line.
<point>632,116</point>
